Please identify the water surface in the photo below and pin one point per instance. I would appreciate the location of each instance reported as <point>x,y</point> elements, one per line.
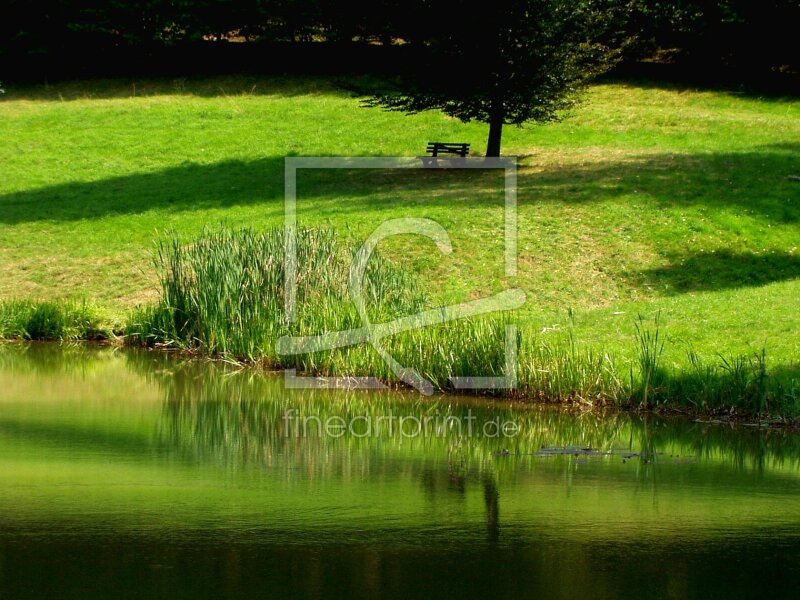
<point>133,474</point>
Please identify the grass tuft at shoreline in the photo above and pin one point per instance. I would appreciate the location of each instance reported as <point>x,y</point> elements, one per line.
<point>43,320</point>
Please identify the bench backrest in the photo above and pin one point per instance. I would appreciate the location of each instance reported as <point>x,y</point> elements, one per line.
<point>436,148</point>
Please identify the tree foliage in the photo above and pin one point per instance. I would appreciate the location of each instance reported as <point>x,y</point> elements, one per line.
<point>742,35</point>
<point>517,61</point>
<point>702,26</point>
<point>735,32</point>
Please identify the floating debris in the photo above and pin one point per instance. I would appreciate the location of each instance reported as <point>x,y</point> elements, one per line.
<point>570,451</point>
<point>581,454</point>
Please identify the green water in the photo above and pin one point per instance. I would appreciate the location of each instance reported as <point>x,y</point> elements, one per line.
<point>135,474</point>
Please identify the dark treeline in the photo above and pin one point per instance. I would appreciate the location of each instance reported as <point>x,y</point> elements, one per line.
<point>67,38</point>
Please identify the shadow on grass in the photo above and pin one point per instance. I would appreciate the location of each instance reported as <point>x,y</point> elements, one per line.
<point>756,182</point>
<point>788,373</point>
<point>769,87</point>
<point>721,270</point>
<point>188,187</point>
<point>235,183</point>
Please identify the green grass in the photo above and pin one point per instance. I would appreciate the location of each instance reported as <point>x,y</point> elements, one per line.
<point>30,320</point>
<point>646,201</point>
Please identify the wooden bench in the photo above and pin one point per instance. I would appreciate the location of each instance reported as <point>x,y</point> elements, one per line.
<point>437,149</point>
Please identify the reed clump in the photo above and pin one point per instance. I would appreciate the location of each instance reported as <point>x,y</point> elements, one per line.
<point>223,295</point>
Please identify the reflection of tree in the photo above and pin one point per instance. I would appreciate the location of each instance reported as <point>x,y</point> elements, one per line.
<point>492,499</point>
<point>458,478</point>
<point>458,483</point>
<point>457,467</point>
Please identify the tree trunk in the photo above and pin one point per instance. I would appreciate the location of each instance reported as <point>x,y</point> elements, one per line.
<point>495,133</point>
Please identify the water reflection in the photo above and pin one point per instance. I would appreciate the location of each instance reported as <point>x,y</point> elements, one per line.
<point>215,409</point>
<point>165,476</point>
<point>492,498</point>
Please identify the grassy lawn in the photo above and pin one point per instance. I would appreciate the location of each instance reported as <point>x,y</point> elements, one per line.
<point>646,200</point>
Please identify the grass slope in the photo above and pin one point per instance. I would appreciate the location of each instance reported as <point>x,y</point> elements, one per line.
<point>645,200</point>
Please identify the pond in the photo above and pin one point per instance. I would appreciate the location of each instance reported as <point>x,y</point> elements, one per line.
<point>132,473</point>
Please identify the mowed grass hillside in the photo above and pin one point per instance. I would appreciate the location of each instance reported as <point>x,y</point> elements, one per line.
<point>645,201</point>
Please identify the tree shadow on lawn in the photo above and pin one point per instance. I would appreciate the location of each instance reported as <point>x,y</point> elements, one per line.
<point>789,372</point>
<point>187,187</point>
<point>776,88</point>
<point>237,183</point>
<point>755,182</point>
<point>721,270</point>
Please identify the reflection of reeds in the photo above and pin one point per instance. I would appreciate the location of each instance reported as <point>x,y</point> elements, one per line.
<point>212,410</point>
<point>51,359</point>
<point>224,296</point>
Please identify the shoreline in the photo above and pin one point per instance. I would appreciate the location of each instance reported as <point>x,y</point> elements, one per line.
<point>572,404</point>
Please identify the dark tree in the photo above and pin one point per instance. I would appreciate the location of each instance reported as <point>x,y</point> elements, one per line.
<point>509,62</point>
<point>737,33</point>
